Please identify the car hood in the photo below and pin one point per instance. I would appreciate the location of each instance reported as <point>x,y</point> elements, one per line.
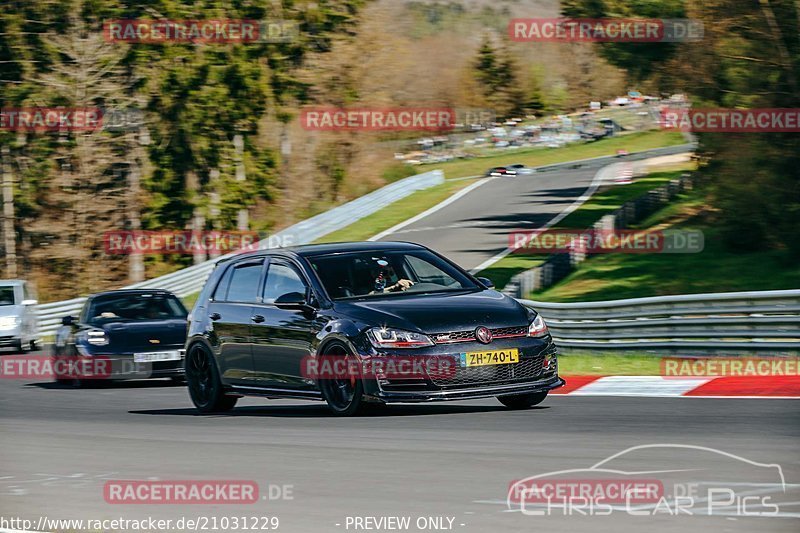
<point>438,313</point>
<point>144,336</point>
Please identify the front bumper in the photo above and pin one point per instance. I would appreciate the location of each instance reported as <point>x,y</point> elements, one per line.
<point>490,391</point>
<point>121,367</point>
<point>527,376</point>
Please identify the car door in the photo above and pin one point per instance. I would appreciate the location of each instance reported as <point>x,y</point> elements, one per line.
<point>282,337</point>
<point>230,311</point>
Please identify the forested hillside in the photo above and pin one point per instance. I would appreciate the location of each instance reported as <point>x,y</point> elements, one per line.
<point>219,145</point>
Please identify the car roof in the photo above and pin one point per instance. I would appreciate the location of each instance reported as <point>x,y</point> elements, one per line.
<point>308,250</point>
<point>131,292</point>
<point>344,247</point>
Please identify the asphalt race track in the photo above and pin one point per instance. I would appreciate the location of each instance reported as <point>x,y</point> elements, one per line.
<point>449,462</point>
<point>60,446</point>
<point>476,226</point>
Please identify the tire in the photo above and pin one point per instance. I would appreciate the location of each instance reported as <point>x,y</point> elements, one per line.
<point>523,401</point>
<point>345,397</point>
<point>204,384</point>
<point>33,346</point>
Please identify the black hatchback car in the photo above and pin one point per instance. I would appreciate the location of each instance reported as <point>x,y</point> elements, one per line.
<point>338,322</point>
<point>125,334</point>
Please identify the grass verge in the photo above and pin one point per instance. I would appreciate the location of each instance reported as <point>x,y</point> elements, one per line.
<point>397,212</point>
<point>189,301</point>
<point>718,268</point>
<point>588,364</point>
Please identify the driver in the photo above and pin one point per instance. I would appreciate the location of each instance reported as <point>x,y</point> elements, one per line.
<point>386,272</point>
<point>401,285</point>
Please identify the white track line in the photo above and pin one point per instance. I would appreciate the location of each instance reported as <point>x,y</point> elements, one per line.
<point>432,210</point>
<point>596,181</point>
<point>639,386</point>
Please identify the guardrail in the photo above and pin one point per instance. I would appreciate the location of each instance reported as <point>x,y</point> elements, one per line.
<point>741,321</point>
<point>190,280</point>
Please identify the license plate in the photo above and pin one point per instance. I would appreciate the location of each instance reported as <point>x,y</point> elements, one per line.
<point>149,357</point>
<point>490,357</point>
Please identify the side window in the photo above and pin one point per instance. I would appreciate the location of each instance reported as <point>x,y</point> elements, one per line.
<point>282,279</point>
<point>222,287</point>
<point>243,286</point>
<point>7,295</point>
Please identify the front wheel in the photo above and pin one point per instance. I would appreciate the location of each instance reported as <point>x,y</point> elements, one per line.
<point>205,386</point>
<point>344,394</point>
<point>522,401</point>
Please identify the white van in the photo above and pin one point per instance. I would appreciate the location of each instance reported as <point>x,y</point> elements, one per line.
<point>18,325</point>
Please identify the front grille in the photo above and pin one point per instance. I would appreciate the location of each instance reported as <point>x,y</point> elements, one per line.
<point>466,336</point>
<point>517,331</point>
<point>527,369</point>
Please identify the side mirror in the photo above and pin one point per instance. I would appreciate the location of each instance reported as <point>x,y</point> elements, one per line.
<point>28,302</point>
<point>486,282</point>
<point>67,320</point>
<point>291,300</point>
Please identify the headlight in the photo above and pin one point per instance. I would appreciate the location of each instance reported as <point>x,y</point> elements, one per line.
<point>96,337</point>
<point>397,338</point>
<point>537,327</point>
<point>8,322</point>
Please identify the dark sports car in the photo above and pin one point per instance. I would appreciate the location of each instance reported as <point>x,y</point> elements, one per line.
<point>124,334</point>
<point>360,323</point>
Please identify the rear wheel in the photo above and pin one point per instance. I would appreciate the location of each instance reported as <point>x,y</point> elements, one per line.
<point>344,394</point>
<point>522,401</point>
<point>205,386</point>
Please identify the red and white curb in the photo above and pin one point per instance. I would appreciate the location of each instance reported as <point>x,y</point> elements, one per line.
<point>698,387</point>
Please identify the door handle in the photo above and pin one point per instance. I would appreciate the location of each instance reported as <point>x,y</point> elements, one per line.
<point>257,319</point>
<point>214,316</point>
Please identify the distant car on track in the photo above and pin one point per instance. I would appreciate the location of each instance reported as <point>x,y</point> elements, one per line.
<point>500,172</point>
<point>521,169</point>
<point>265,318</point>
<point>140,333</point>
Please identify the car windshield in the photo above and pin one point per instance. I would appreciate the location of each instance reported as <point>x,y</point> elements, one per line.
<point>380,273</point>
<point>134,308</point>
<point>7,295</point>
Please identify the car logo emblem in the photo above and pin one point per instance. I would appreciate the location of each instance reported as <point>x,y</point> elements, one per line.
<point>154,341</point>
<point>483,334</point>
